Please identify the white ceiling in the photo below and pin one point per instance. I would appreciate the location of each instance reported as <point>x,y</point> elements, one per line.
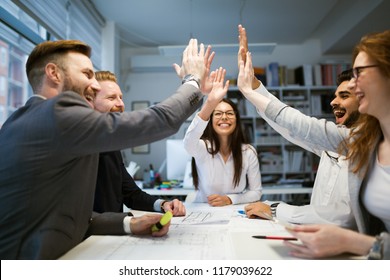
<point>337,24</point>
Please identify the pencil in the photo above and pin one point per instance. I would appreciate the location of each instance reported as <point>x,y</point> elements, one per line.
<point>274,237</point>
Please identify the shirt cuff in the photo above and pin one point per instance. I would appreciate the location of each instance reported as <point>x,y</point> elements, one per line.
<point>195,84</point>
<point>126,224</point>
<point>157,205</point>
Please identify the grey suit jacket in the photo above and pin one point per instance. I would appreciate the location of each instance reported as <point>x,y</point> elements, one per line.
<point>49,153</point>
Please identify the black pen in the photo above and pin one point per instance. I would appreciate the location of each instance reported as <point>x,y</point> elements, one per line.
<point>274,237</point>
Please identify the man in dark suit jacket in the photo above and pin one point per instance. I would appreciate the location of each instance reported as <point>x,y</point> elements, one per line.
<point>114,185</point>
<point>50,148</point>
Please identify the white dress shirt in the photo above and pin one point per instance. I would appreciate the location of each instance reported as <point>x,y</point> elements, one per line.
<point>330,200</point>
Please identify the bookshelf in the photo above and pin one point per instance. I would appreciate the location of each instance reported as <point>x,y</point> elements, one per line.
<point>280,160</point>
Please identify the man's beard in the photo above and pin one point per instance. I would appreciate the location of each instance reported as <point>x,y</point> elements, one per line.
<point>69,86</point>
<point>352,118</point>
<point>116,110</point>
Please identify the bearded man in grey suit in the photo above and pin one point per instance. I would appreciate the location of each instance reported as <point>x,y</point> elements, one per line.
<point>50,148</point>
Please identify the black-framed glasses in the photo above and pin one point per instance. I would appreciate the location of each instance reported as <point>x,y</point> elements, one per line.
<point>357,70</point>
<point>229,114</point>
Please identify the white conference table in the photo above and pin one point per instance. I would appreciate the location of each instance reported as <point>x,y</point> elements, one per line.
<point>267,190</point>
<point>222,233</point>
<point>206,233</point>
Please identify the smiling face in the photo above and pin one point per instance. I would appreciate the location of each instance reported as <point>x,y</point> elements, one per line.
<point>224,119</point>
<point>344,103</point>
<point>109,98</point>
<point>80,77</point>
<point>371,88</point>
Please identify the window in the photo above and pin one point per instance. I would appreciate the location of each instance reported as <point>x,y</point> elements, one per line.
<point>14,50</point>
<point>25,23</point>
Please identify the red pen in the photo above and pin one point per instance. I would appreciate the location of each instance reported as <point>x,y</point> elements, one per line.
<point>274,237</point>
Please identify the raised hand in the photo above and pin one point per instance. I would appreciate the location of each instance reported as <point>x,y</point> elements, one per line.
<point>196,62</point>
<point>245,75</point>
<point>218,91</point>
<point>243,45</point>
<point>219,87</point>
<point>242,51</point>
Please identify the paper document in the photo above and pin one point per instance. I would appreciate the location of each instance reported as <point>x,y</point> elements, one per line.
<point>203,217</point>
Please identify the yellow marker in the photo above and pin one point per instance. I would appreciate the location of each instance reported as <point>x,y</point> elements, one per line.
<point>163,221</point>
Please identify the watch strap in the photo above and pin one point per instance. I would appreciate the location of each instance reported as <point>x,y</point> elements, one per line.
<point>273,207</point>
<point>162,206</point>
<point>190,77</point>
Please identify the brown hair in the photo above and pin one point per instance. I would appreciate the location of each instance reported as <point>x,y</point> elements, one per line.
<point>236,140</point>
<point>363,140</point>
<point>105,76</point>
<point>51,51</point>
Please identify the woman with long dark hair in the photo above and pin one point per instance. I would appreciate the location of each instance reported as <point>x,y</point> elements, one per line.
<point>225,167</point>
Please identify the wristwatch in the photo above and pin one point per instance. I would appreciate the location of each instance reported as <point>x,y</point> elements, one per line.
<point>273,208</point>
<point>191,77</point>
<point>162,206</point>
<point>376,251</point>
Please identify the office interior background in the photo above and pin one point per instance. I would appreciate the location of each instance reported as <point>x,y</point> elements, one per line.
<point>140,40</point>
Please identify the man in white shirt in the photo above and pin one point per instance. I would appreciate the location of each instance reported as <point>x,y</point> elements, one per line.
<point>330,201</point>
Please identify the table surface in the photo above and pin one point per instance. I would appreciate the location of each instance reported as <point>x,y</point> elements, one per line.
<point>206,232</point>
<point>267,190</point>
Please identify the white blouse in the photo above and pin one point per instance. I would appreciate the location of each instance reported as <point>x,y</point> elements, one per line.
<point>376,194</point>
<point>215,175</point>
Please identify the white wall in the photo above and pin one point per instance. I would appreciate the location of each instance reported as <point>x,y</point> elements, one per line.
<point>153,87</point>
<point>156,86</point>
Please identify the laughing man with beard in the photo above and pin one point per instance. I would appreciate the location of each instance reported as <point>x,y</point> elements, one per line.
<point>330,201</point>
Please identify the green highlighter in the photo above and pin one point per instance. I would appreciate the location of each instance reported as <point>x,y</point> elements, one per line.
<point>163,221</point>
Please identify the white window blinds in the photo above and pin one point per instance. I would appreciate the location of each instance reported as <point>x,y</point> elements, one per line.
<point>69,19</point>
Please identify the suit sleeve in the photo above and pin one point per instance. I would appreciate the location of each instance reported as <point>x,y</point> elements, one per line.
<point>133,196</point>
<point>107,223</point>
<point>85,131</point>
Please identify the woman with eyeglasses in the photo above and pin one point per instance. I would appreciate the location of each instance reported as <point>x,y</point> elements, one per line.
<point>366,146</point>
<point>225,168</point>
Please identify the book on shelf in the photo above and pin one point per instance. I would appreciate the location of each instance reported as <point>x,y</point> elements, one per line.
<point>260,74</point>
<point>317,75</point>
<point>294,161</point>
<point>270,162</point>
<point>315,105</point>
<point>248,131</point>
<point>320,102</point>
<point>283,75</point>
<point>304,75</point>
<point>290,73</point>
<point>272,74</point>
<point>329,72</point>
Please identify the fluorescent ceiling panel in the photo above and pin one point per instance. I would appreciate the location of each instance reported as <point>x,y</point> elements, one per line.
<point>263,48</point>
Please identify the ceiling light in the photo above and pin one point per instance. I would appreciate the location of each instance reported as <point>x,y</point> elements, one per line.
<point>263,48</point>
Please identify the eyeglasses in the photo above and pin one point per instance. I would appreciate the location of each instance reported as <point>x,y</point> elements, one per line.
<point>229,114</point>
<point>357,70</point>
